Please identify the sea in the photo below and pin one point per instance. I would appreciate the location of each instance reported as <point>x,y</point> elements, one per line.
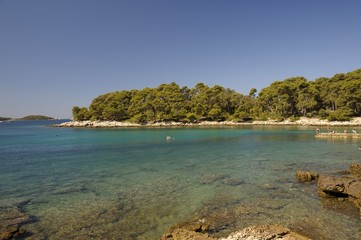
<point>136,183</point>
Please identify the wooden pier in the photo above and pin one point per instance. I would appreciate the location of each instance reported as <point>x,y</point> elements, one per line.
<point>338,135</point>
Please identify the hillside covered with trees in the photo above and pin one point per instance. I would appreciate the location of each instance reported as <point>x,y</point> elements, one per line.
<point>336,98</point>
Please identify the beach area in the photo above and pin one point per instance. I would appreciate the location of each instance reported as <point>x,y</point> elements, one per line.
<point>303,121</point>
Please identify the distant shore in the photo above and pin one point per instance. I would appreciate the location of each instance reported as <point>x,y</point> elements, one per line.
<point>303,121</point>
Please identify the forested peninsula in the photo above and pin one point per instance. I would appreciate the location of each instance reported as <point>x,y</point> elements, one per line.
<point>36,117</point>
<point>5,118</point>
<point>29,117</point>
<point>336,99</point>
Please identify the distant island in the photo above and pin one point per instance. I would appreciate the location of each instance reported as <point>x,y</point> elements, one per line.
<point>334,99</point>
<point>4,119</point>
<point>35,117</point>
<point>26,118</point>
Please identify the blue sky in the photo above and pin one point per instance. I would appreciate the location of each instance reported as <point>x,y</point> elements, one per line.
<point>58,54</point>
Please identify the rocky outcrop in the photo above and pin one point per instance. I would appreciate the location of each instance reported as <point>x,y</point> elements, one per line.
<point>347,186</point>
<point>184,234</point>
<point>341,187</point>
<point>303,176</point>
<point>355,170</point>
<point>261,232</point>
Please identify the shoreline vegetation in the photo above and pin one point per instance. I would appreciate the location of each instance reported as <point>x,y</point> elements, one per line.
<point>303,121</point>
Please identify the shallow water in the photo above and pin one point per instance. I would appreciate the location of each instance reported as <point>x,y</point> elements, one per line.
<point>135,184</point>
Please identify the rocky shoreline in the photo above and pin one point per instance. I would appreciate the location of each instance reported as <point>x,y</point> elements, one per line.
<point>303,121</point>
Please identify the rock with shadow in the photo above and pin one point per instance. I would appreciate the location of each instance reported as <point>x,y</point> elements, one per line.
<point>340,187</point>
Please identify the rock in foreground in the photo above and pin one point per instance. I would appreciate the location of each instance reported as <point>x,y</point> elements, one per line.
<point>265,232</point>
<point>262,232</point>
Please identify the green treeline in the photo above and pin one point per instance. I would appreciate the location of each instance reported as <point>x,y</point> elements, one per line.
<point>336,98</point>
<point>36,117</point>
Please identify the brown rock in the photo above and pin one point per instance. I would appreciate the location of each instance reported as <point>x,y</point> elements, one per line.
<point>343,186</point>
<point>354,189</point>
<point>355,169</point>
<point>184,234</point>
<point>303,176</point>
<point>10,221</point>
<point>265,232</point>
<point>11,232</point>
<point>333,186</point>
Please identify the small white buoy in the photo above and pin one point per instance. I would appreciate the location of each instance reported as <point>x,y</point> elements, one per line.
<point>169,138</point>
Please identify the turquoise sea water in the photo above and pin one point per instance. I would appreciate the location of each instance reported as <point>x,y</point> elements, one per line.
<point>135,184</point>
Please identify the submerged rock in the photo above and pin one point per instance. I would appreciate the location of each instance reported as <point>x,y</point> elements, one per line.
<point>223,179</point>
<point>11,220</point>
<point>211,178</point>
<point>70,189</point>
<point>268,186</point>
<point>11,232</point>
<point>232,181</point>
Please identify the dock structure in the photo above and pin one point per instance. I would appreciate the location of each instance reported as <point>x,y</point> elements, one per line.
<point>338,135</point>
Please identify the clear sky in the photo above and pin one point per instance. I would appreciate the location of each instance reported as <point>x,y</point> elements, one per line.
<point>55,54</point>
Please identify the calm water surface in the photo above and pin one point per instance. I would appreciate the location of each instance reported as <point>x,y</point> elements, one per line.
<point>135,184</point>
